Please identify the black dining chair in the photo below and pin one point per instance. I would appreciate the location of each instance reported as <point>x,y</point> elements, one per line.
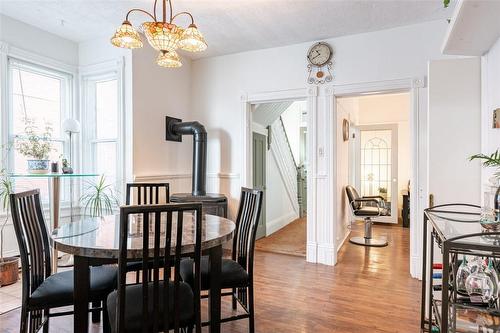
<point>42,290</point>
<point>158,303</point>
<point>237,272</point>
<point>145,194</point>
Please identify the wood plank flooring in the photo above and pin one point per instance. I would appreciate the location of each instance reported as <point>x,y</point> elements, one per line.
<point>370,290</point>
<point>289,240</point>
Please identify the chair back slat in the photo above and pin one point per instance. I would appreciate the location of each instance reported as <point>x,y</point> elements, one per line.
<point>246,227</point>
<point>147,193</point>
<point>32,237</point>
<point>158,224</point>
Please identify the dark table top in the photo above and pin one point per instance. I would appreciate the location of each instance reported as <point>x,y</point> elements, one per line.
<point>99,237</point>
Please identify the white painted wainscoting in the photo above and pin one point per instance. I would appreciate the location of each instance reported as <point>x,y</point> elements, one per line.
<point>226,183</point>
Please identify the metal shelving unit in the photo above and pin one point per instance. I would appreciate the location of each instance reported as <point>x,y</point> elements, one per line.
<point>456,230</point>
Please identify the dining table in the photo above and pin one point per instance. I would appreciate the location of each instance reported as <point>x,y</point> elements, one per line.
<point>95,241</point>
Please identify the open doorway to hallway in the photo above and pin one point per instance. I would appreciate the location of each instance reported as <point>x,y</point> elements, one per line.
<point>374,159</point>
<point>279,166</point>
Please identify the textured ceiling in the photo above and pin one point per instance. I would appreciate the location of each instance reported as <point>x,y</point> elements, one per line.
<point>232,25</point>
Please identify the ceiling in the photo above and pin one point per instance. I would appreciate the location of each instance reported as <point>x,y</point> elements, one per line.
<point>232,26</point>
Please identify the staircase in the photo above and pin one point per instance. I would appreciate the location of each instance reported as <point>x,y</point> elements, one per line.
<point>282,153</point>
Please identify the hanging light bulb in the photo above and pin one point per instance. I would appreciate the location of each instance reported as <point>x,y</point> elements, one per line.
<point>169,59</point>
<point>127,37</point>
<point>192,40</point>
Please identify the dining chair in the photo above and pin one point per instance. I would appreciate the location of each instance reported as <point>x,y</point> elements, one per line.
<point>237,272</point>
<point>145,194</point>
<point>158,303</point>
<point>42,290</point>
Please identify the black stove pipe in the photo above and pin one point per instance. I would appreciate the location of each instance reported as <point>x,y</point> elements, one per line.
<point>197,130</point>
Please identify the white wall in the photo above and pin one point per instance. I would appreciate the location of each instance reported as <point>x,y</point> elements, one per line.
<point>29,38</point>
<point>347,108</point>
<point>218,84</point>
<point>490,72</point>
<point>454,130</point>
<point>160,92</point>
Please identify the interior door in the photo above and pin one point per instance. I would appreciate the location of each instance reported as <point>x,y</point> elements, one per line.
<point>378,166</point>
<point>259,176</point>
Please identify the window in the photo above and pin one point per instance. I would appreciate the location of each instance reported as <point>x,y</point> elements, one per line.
<point>102,113</point>
<point>42,96</point>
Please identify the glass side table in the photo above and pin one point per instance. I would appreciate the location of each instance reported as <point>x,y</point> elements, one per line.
<point>54,180</point>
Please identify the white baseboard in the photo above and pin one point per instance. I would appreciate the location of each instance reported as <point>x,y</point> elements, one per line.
<point>276,224</point>
<point>416,267</point>
<point>341,243</point>
<point>311,252</point>
<point>327,254</point>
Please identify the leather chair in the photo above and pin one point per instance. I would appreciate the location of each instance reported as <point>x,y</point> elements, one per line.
<point>366,207</point>
<point>42,290</point>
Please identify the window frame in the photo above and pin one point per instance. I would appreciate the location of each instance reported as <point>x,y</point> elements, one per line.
<point>38,65</point>
<point>90,76</point>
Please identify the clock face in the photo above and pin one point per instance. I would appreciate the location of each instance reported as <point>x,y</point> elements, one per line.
<point>319,54</point>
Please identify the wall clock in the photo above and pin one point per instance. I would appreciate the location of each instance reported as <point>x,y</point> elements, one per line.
<point>320,57</point>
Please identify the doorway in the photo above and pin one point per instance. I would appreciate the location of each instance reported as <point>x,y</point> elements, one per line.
<point>376,157</point>
<point>279,168</point>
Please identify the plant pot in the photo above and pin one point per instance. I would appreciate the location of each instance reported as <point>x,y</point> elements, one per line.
<point>38,166</point>
<point>9,271</point>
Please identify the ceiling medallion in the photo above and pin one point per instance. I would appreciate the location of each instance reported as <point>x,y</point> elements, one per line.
<point>164,36</point>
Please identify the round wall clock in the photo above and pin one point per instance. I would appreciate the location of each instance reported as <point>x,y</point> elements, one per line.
<point>319,54</point>
<point>319,57</point>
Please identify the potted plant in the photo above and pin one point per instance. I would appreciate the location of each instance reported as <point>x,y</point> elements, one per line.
<point>36,146</point>
<point>382,191</point>
<point>492,161</point>
<point>99,198</point>
<point>9,267</point>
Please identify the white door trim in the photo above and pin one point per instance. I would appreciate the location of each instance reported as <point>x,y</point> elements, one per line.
<point>310,95</point>
<point>419,143</point>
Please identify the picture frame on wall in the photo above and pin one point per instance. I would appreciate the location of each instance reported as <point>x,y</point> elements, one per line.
<point>496,118</point>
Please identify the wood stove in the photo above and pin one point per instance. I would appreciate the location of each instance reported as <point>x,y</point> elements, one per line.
<point>212,203</point>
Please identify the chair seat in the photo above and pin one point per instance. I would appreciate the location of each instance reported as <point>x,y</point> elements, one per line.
<point>133,308</point>
<point>57,289</point>
<point>137,265</point>
<point>370,211</point>
<point>232,274</point>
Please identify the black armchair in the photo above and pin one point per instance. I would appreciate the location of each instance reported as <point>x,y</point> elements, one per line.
<point>367,208</point>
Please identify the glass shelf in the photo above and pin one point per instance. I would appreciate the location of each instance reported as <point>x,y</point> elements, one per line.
<point>470,319</point>
<point>52,175</point>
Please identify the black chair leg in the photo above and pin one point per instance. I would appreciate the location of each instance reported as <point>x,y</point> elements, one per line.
<point>234,299</point>
<point>24,321</point>
<point>137,276</point>
<point>251,318</point>
<point>96,315</point>
<point>46,324</point>
<point>106,327</point>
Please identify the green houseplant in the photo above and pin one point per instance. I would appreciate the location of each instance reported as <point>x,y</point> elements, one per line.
<point>99,198</point>
<point>489,161</point>
<point>36,145</point>
<point>9,266</point>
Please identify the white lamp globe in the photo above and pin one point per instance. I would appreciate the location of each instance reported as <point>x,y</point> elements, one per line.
<point>71,126</point>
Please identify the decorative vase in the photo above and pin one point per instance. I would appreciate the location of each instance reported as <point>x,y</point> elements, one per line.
<point>38,166</point>
<point>9,271</point>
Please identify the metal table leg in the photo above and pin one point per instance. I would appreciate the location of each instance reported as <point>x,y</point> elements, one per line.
<point>55,200</point>
<point>215,266</point>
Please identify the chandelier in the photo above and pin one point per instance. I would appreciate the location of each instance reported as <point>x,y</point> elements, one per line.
<point>164,36</point>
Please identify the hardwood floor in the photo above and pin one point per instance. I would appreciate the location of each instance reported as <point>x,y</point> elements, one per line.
<point>289,240</point>
<point>370,290</point>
